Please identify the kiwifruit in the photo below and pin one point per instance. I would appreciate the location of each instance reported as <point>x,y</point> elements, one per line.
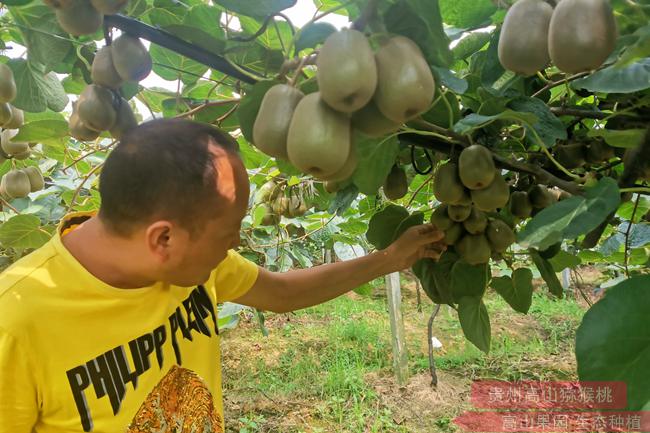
<point>58,4</point>
<point>95,108</point>
<point>124,120</point>
<point>17,118</point>
<point>540,197</point>
<point>296,206</point>
<point>130,58</point>
<point>265,192</point>
<point>16,184</point>
<point>280,205</point>
<point>79,17</point>
<point>103,72</point>
<point>520,205</point>
<point>495,196</point>
<point>347,74</point>
<point>459,212</point>
<point>109,7</point>
<point>35,176</point>
<point>476,167</point>
<point>474,249</point>
<point>405,85</point>
<point>7,84</point>
<point>79,130</point>
<point>440,218</point>
<point>453,234</point>
<point>598,151</point>
<point>396,185</point>
<point>270,218</point>
<point>571,155</point>
<point>348,168</point>
<point>500,235</point>
<point>318,142</point>
<point>523,42</point>
<point>564,195</point>
<point>466,199</point>
<point>582,34</point>
<point>5,113</point>
<point>9,146</point>
<point>447,187</point>
<point>272,122</point>
<point>476,222</point>
<point>372,122</point>
<point>22,155</point>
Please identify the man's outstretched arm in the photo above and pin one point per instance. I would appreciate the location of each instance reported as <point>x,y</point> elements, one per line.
<point>293,290</point>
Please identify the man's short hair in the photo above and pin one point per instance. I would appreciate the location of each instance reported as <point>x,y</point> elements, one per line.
<point>162,169</point>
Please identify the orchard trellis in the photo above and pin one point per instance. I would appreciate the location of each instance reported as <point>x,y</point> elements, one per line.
<point>569,146</point>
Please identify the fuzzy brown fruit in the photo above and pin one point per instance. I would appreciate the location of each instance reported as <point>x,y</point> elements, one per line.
<point>495,196</point>
<point>95,108</point>
<point>500,235</point>
<point>372,122</point>
<point>520,205</point>
<point>109,7</point>
<point>271,125</point>
<point>476,167</point>
<point>79,17</point>
<point>396,185</point>
<point>541,197</point>
<point>474,249</point>
<point>79,130</point>
<point>347,74</point>
<point>440,218</point>
<point>5,113</point>
<point>131,58</point>
<point>17,118</point>
<point>459,213</point>
<point>124,120</point>
<point>447,187</point>
<point>9,145</point>
<point>582,34</point>
<point>405,85</point>
<point>318,141</point>
<point>348,168</point>
<point>103,71</point>
<point>476,222</point>
<point>523,42</point>
<point>453,234</point>
<point>16,184</point>
<point>7,84</point>
<point>35,176</point>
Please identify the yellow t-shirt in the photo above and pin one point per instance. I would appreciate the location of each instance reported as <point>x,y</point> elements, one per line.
<point>79,355</point>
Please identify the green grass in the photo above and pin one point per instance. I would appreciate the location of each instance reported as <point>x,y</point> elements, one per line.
<point>330,359</point>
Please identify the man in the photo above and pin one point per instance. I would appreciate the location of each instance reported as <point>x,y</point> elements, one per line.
<point>111,326</point>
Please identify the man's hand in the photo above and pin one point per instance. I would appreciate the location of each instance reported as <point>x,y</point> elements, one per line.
<point>418,242</point>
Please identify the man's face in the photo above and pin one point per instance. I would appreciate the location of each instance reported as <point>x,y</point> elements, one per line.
<point>196,256</point>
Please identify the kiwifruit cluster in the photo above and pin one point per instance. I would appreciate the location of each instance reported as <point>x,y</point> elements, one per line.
<point>18,183</point>
<point>578,35</point>
<point>100,107</point>
<point>359,89</point>
<point>576,154</point>
<point>84,17</point>
<point>279,200</point>
<point>10,116</point>
<point>468,191</point>
<point>526,203</point>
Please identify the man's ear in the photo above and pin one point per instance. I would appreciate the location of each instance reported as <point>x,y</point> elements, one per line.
<point>160,237</point>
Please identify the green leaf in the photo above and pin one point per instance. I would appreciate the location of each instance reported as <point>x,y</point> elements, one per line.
<point>420,21</point>
<point>188,32</point>
<point>468,280</point>
<point>626,138</point>
<point>564,260</point>
<point>40,130</point>
<point>475,321</point>
<point>612,79</point>
<point>627,209</point>
<point>491,68</point>
<point>613,340</point>
<point>547,127</point>
<point>36,91</point>
<point>23,231</point>
<point>476,121</point>
<point>276,36</point>
<point>46,43</point>
<point>168,65</point>
<point>313,34</point>
<point>516,291</point>
<point>548,274</point>
<point>376,158</point>
<point>16,2</point>
<point>343,199</point>
<point>470,44</point>
<point>639,49</point>
<point>435,277</point>
<point>448,79</point>
<point>250,105</point>
<point>467,13</point>
<point>572,217</point>
<point>255,57</point>
<point>382,225</point>
<point>255,8</point>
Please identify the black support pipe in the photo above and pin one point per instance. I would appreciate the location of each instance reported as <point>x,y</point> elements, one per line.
<point>167,40</point>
